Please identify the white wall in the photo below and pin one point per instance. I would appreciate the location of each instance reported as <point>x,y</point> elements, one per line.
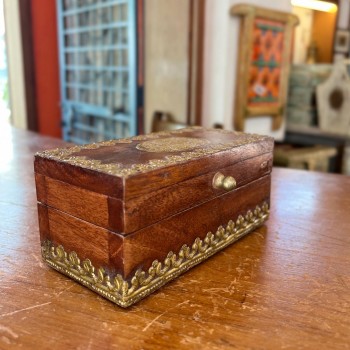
<point>166,58</point>
<point>302,34</point>
<point>220,63</point>
<point>343,14</point>
<point>15,64</point>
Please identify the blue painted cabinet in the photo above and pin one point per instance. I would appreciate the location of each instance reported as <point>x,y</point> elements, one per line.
<point>98,69</point>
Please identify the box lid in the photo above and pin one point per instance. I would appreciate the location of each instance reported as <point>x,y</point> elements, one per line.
<point>154,170</point>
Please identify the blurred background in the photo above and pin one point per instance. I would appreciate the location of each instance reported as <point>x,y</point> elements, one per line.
<point>91,70</point>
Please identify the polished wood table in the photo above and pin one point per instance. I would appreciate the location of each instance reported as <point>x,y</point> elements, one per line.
<point>284,286</point>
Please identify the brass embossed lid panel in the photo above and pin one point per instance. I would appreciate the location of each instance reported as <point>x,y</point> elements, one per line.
<point>144,153</point>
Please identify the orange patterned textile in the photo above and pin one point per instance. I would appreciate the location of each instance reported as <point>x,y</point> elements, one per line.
<point>266,59</point>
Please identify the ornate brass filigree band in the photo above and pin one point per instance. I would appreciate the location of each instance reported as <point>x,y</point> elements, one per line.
<point>126,293</point>
<point>67,154</point>
<point>172,144</point>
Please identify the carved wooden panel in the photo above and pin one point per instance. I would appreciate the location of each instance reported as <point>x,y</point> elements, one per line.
<point>263,68</point>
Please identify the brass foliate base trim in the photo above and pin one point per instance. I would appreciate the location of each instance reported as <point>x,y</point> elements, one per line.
<point>125,293</point>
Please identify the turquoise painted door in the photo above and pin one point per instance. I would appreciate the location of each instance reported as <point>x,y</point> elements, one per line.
<point>98,69</point>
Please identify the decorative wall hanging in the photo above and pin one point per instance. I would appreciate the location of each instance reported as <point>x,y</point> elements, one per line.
<point>263,64</point>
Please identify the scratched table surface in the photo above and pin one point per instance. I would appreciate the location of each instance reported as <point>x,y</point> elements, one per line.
<point>286,285</point>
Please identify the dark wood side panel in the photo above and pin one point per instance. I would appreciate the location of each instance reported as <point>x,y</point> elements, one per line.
<point>88,240</point>
<point>84,204</point>
<point>44,226</point>
<point>92,207</point>
<point>147,209</point>
<point>40,188</point>
<point>116,215</point>
<point>84,178</point>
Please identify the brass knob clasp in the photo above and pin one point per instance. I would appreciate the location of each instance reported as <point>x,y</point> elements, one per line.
<point>220,181</point>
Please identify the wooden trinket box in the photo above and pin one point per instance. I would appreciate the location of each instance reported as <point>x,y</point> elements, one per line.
<point>124,217</point>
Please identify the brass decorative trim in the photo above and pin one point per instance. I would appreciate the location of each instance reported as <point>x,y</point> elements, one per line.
<point>67,154</point>
<point>172,144</point>
<point>125,293</point>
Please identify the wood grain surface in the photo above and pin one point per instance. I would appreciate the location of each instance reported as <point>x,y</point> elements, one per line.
<point>127,155</point>
<point>173,199</point>
<point>286,285</point>
<point>139,212</point>
<point>146,197</point>
<point>125,254</point>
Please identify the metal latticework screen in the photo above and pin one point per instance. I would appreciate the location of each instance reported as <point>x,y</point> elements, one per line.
<point>97,41</point>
